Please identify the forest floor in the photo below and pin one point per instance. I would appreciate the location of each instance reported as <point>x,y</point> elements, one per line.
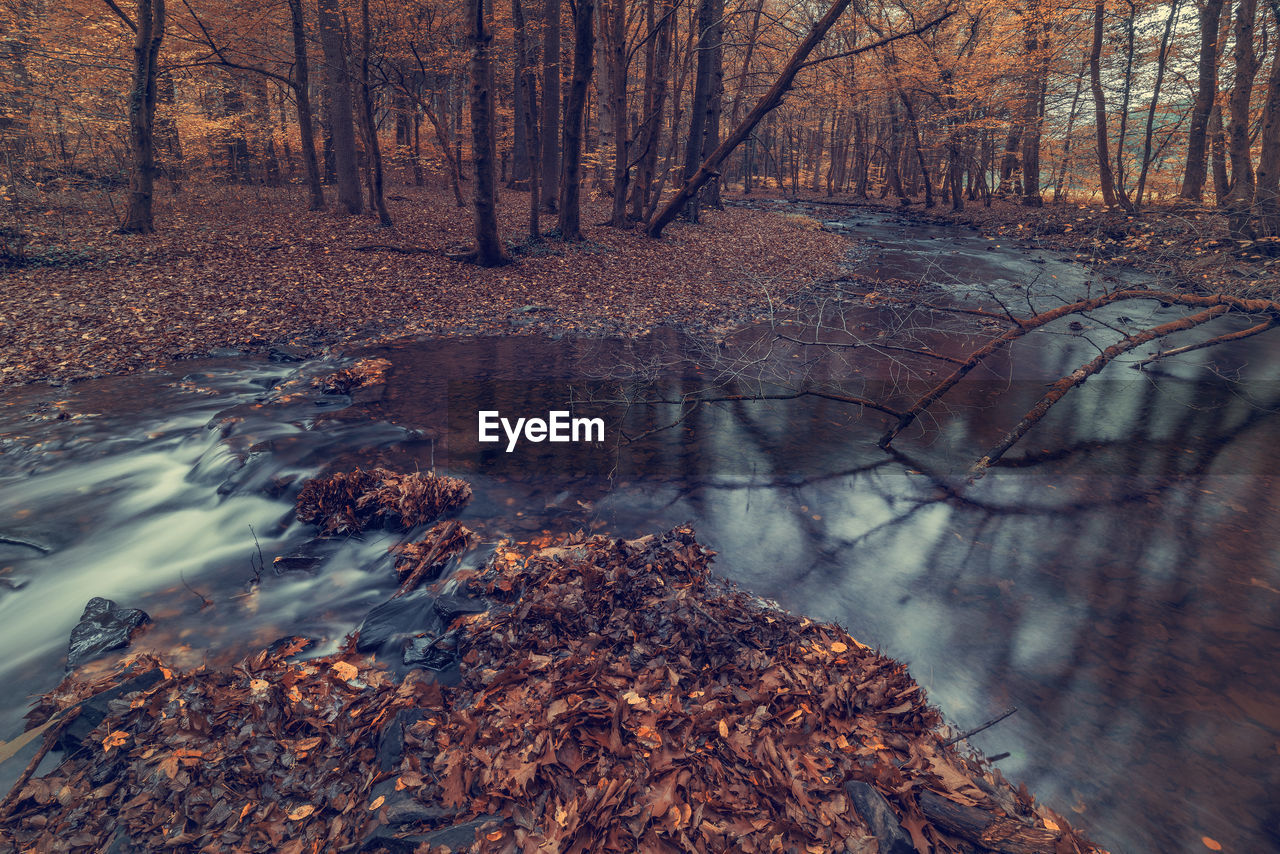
<point>1186,247</point>
<point>250,268</point>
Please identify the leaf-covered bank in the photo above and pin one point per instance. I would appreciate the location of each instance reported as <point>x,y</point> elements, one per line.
<point>614,696</point>
<point>256,271</point>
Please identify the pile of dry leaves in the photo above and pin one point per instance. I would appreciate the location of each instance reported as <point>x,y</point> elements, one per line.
<point>352,501</point>
<point>615,697</point>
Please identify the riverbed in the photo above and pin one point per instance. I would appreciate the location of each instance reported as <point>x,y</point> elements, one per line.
<point>1115,580</point>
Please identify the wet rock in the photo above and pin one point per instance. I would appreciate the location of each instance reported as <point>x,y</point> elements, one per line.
<point>451,607</point>
<point>225,352</point>
<point>878,815</point>
<point>94,710</point>
<point>391,738</point>
<point>459,837</point>
<point>306,557</point>
<point>286,353</point>
<point>103,626</point>
<point>432,653</point>
<point>388,624</point>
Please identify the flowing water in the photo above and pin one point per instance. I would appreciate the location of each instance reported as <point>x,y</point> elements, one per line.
<point>1116,580</point>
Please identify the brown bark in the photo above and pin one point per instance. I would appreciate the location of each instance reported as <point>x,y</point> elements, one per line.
<point>373,151</point>
<point>1206,89</point>
<point>657,64</point>
<point>302,97</point>
<point>1240,198</point>
<point>148,35</point>
<point>1161,59</point>
<point>1106,179</point>
<point>488,251</point>
<point>550,130</point>
<point>1268,191</point>
<point>338,95</point>
<point>570,218</point>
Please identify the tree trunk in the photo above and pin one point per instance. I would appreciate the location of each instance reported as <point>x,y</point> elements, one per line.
<point>1240,198</point>
<point>520,135</point>
<point>489,251</point>
<point>1218,155</point>
<point>550,131</point>
<point>657,64</point>
<point>1268,192</point>
<point>1105,177</point>
<point>338,92</point>
<point>715,100</point>
<point>148,35</point>
<point>570,221</point>
<point>1161,60</point>
<point>168,143</point>
<point>373,151</point>
<point>1206,89</point>
<point>302,97</point>
<point>1037,46</point>
<point>701,98</point>
<point>613,26</point>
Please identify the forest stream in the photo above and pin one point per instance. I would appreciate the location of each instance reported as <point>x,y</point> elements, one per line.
<point>1115,579</point>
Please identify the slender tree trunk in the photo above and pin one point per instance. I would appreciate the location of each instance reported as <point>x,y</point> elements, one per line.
<point>570,221</point>
<point>657,65</point>
<point>1105,177</point>
<point>1037,46</point>
<point>302,97</point>
<point>1161,60</point>
<point>701,98</point>
<point>489,251</point>
<point>550,132</point>
<point>338,90</point>
<point>613,26</point>
<point>1206,89</point>
<point>715,100</point>
<point>915,143</point>
<point>1060,182</point>
<point>893,160</point>
<point>148,35</point>
<point>1218,156</point>
<point>1268,192</point>
<point>168,142</point>
<point>1240,198</point>
<point>520,136</point>
<point>373,151</point>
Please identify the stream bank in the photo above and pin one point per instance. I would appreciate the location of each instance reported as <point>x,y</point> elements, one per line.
<point>1116,584</point>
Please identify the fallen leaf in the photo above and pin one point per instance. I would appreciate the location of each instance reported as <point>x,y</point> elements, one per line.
<point>302,812</point>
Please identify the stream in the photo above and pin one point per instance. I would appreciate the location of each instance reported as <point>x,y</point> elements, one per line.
<point>1115,578</point>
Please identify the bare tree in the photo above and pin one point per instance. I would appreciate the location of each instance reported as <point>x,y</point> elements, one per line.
<point>148,32</point>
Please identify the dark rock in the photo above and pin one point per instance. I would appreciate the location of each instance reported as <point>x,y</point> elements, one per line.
<point>225,352</point>
<point>391,622</point>
<point>286,353</point>
<point>391,738</point>
<point>103,626</point>
<point>451,607</point>
<point>460,836</point>
<point>94,709</point>
<point>432,653</point>
<point>879,816</point>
